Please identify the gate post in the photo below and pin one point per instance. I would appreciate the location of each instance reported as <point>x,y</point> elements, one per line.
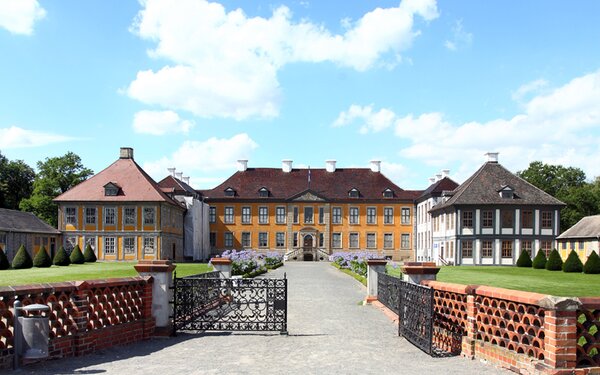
<point>222,265</point>
<point>162,275</point>
<point>374,266</point>
<point>415,272</point>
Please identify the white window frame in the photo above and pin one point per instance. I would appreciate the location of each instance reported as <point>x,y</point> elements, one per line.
<point>94,217</point>
<point>228,237</point>
<point>246,242</point>
<point>295,215</point>
<point>263,239</point>
<point>405,241</point>
<point>212,214</point>
<point>127,216</point>
<point>336,215</point>
<point>71,218</point>
<point>280,239</point>
<point>246,215</point>
<point>336,244</point>
<point>107,215</point>
<point>280,215</point>
<point>351,236</point>
<point>371,215</point>
<point>405,215</point>
<point>263,215</point>
<point>371,240</point>
<point>310,216</point>
<point>229,215</point>
<point>354,215</point>
<point>388,215</point>
<point>149,245</point>
<point>129,250</point>
<point>146,212</point>
<point>321,215</point>
<point>390,244</point>
<point>110,245</point>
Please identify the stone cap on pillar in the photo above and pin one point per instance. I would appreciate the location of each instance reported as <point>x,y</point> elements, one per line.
<point>220,261</point>
<point>420,268</point>
<point>154,266</point>
<point>377,262</point>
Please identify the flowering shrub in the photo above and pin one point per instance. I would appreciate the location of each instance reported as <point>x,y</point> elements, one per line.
<point>273,259</point>
<point>355,261</point>
<point>244,262</point>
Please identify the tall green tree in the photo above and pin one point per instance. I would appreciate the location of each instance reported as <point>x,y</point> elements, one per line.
<point>16,182</point>
<point>55,176</point>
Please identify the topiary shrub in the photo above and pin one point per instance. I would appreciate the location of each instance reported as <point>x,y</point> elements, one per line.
<point>539,262</point>
<point>554,262</point>
<point>76,256</point>
<point>524,259</point>
<point>88,254</point>
<point>573,263</point>
<point>61,258</point>
<point>22,259</point>
<point>42,259</point>
<point>4,264</point>
<point>592,264</point>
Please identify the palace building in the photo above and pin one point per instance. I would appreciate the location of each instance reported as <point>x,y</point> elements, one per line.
<point>310,213</point>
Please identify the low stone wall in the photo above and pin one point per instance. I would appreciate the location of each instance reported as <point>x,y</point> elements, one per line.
<point>84,316</point>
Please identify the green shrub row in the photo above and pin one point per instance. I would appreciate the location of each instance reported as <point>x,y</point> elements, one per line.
<point>555,262</point>
<point>23,260</point>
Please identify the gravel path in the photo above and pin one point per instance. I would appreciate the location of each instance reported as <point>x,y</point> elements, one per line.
<point>330,332</point>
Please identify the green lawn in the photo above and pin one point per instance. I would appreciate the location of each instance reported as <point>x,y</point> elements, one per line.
<point>87,271</point>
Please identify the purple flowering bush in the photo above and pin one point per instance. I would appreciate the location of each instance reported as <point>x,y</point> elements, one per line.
<point>355,261</point>
<point>244,262</point>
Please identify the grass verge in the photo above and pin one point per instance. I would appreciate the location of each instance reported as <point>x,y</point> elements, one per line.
<point>361,279</point>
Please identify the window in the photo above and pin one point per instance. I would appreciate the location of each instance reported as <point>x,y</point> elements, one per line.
<point>295,219</point>
<point>228,237</point>
<point>149,245</point>
<point>90,215</point>
<point>467,219</point>
<point>371,240</point>
<point>308,215</point>
<point>581,245</point>
<point>263,239</point>
<point>547,219</point>
<point>546,247</point>
<point>280,215</point>
<point>527,219</point>
<point>336,215</point>
<point>263,215</point>
<point>564,245</point>
<point>405,218</point>
<point>111,191</point>
<point>388,193</point>
<point>467,248</point>
<point>280,239</point>
<point>487,219</point>
<point>388,241</point>
<point>321,239</point>
<point>229,192</point>
<point>109,215</point>
<point>149,215</point>
<point>212,237</point>
<point>321,215</point>
<point>129,245</point>
<point>572,245</point>
<point>507,194</point>
<point>245,239</point>
<point>228,218</point>
<point>71,215</point>
<point>353,215</point>
<point>507,218</point>
<point>129,215</point>
<point>371,215</point>
<point>70,243</point>
<point>295,239</point>
<point>526,246</point>
<point>353,240</point>
<point>507,249</point>
<point>486,249</point>
<point>109,245</point>
<point>354,193</point>
<point>405,241</point>
<point>388,215</point>
<point>246,215</point>
<point>263,192</point>
<point>336,240</point>
<point>212,215</point>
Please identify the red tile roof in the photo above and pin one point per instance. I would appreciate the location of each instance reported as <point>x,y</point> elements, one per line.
<point>329,185</point>
<point>135,186</point>
<point>437,188</point>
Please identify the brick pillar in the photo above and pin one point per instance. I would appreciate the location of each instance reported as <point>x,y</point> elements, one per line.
<point>415,272</point>
<point>82,343</point>
<point>222,265</point>
<point>147,318</point>
<point>162,275</point>
<point>374,267</point>
<point>468,341</point>
<point>560,330</point>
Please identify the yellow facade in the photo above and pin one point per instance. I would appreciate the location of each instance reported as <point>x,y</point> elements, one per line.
<point>583,247</point>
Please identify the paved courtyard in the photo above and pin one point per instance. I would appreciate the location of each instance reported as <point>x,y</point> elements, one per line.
<point>330,332</point>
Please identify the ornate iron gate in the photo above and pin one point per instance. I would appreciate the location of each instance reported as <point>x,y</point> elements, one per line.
<point>416,315</point>
<point>388,291</point>
<point>208,303</point>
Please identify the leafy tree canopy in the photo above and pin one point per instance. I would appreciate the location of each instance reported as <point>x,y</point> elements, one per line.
<point>16,182</point>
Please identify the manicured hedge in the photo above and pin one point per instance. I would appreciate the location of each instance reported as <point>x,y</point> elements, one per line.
<point>22,259</point>
<point>592,265</point>
<point>573,263</point>
<point>89,255</point>
<point>76,256</point>
<point>554,262</point>
<point>539,262</point>
<point>42,259</point>
<point>4,264</point>
<point>61,258</point>
<point>524,259</point>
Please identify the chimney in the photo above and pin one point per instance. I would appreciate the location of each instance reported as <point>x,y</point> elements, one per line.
<point>242,165</point>
<point>445,173</point>
<point>375,165</point>
<point>492,157</point>
<point>431,180</point>
<point>126,153</point>
<point>330,165</point>
<point>286,165</point>
<point>186,180</point>
<point>171,171</point>
<point>438,177</point>
<point>179,176</point>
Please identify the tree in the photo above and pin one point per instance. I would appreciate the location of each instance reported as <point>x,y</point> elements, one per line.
<point>539,262</point>
<point>76,256</point>
<point>16,182</point>
<point>88,254</point>
<point>42,259</point>
<point>61,258</point>
<point>591,266</point>
<point>554,262</point>
<point>573,263</point>
<point>524,259</point>
<point>55,176</point>
<point>22,259</point>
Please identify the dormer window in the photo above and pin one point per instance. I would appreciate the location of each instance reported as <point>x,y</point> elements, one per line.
<point>229,192</point>
<point>263,192</point>
<point>388,193</point>
<point>111,189</point>
<point>354,193</point>
<point>507,192</point>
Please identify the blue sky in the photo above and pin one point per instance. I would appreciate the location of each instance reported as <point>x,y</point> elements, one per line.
<point>420,85</point>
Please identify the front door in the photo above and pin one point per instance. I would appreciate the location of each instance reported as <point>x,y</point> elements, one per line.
<point>307,244</point>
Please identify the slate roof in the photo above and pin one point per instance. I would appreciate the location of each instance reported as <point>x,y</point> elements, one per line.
<point>175,185</point>
<point>483,186</point>
<point>24,222</point>
<point>135,186</point>
<point>437,188</point>
<point>330,185</point>
<point>587,227</point>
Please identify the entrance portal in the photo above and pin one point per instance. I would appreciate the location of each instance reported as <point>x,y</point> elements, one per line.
<point>308,250</point>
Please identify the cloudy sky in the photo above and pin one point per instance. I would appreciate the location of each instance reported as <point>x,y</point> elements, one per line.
<point>419,84</point>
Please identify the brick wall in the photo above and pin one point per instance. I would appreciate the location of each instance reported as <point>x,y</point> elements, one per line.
<point>84,316</point>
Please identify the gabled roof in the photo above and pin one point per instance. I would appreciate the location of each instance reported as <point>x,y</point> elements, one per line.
<point>437,188</point>
<point>19,221</point>
<point>329,185</point>
<point>135,186</point>
<point>483,187</point>
<point>176,186</point>
<point>587,227</point>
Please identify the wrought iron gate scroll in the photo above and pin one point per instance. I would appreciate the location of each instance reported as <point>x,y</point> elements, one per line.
<point>415,318</point>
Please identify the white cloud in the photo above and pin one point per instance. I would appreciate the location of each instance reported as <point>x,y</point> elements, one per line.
<point>225,64</point>
<point>460,38</point>
<point>529,88</point>
<point>213,154</point>
<point>371,121</point>
<point>15,137</point>
<point>19,16</point>
<point>160,123</point>
<point>561,126</point>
